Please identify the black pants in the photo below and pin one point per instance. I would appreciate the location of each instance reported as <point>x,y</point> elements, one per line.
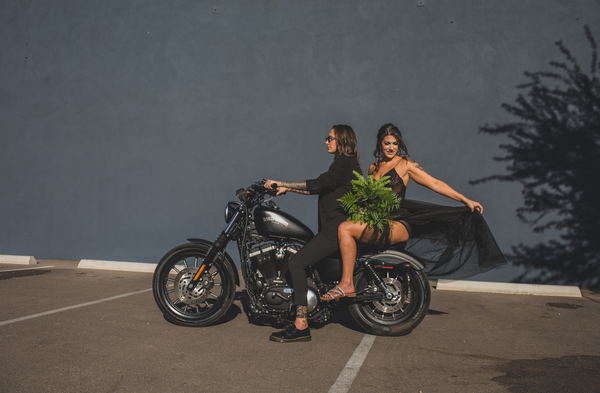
<point>316,249</point>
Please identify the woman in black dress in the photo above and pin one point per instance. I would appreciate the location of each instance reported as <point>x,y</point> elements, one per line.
<point>448,237</point>
<point>331,185</point>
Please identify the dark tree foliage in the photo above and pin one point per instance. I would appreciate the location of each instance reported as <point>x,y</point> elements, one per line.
<point>554,152</point>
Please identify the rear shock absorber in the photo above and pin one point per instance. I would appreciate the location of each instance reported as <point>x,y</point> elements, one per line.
<point>378,280</point>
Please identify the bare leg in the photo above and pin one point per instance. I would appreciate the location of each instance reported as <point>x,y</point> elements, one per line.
<point>301,321</point>
<point>349,234</point>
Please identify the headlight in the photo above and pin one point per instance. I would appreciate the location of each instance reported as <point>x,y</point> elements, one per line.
<point>230,210</point>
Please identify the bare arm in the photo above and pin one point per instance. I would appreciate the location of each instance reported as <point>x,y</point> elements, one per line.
<point>293,185</point>
<point>298,187</point>
<point>304,192</point>
<point>418,174</point>
<point>371,169</point>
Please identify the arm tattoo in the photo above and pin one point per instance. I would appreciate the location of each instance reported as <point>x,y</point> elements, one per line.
<point>419,167</point>
<point>301,312</point>
<point>294,185</point>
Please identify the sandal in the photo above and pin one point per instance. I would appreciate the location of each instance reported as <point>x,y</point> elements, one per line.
<point>336,293</point>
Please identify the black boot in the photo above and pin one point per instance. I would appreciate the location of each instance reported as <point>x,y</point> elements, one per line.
<point>291,334</point>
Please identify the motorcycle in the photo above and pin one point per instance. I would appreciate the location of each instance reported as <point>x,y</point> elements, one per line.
<point>194,284</point>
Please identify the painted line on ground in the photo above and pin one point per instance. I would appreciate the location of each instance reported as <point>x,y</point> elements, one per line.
<point>344,380</point>
<point>509,288</point>
<point>26,268</point>
<point>72,307</point>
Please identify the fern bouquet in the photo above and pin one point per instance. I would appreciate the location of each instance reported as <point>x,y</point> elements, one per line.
<point>370,201</point>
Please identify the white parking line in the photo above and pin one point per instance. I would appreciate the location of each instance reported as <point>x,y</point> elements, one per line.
<point>344,380</point>
<point>27,268</point>
<point>71,307</point>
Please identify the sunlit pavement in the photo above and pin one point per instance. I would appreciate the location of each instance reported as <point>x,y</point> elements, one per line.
<point>64,329</point>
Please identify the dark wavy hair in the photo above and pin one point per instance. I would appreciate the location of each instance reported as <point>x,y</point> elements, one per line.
<point>385,130</point>
<point>345,140</point>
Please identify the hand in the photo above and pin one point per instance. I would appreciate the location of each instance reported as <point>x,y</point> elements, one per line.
<point>474,206</point>
<point>269,184</point>
<point>269,187</point>
<point>281,190</point>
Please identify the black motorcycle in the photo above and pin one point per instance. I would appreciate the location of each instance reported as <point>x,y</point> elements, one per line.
<point>194,284</point>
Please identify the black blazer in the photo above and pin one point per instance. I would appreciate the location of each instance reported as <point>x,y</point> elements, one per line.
<point>331,186</point>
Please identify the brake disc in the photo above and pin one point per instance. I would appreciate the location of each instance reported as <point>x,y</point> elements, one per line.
<point>199,293</point>
<point>396,302</point>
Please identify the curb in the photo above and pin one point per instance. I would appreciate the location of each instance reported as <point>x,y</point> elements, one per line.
<point>116,265</point>
<point>509,288</point>
<point>17,260</point>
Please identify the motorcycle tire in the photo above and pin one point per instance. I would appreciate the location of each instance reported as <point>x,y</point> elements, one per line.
<point>397,316</point>
<point>211,298</point>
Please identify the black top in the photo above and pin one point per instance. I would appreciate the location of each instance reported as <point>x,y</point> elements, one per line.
<point>331,186</point>
<point>396,183</point>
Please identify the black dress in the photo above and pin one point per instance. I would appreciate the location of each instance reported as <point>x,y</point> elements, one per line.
<point>452,242</point>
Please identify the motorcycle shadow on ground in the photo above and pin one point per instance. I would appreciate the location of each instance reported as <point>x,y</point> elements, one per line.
<point>340,317</point>
<point>231,314</point>
<point>435,312</point>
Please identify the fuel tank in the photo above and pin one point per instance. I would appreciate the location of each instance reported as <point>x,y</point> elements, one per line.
<point>277,223</point>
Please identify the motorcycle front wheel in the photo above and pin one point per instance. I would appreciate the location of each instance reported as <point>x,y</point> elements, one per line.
<point>203,305</point>
<point>400,314</point>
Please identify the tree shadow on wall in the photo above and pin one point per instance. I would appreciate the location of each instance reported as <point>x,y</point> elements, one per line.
<point>554,152</point>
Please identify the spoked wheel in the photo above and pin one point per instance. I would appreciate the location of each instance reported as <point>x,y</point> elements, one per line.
<point>399,314</point>
<point>201,306</point>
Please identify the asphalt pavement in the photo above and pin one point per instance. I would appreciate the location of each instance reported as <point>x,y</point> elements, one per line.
<point>64,329</point>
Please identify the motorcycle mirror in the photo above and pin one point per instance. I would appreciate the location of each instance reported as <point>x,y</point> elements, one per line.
<point>241,193</point>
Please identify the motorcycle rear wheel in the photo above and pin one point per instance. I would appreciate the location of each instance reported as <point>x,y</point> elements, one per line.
<point>397,316</point>
<point>211,298</point>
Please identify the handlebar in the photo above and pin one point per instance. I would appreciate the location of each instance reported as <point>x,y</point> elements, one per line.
<point>256,192</point>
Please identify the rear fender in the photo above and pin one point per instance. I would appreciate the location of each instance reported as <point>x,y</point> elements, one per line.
<point>395,259</point>
<point>227,257</point>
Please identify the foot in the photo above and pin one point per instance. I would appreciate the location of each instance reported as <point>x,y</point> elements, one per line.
<point>336,293</point>
<point>291,334</point>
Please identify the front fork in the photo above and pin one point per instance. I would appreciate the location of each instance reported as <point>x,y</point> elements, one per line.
<point>219,245</point>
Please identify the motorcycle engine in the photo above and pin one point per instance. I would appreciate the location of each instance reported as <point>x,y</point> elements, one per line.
<point>266,259</point>
<point>279,296</point>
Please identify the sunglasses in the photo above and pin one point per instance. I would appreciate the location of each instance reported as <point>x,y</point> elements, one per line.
<point>329,139</point>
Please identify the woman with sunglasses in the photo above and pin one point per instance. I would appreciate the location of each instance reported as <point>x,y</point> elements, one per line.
<point>331,185</point>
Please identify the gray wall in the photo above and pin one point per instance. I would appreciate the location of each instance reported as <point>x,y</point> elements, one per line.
<point>126,125</point>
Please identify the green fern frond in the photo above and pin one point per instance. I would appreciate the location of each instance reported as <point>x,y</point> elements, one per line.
<point>370,201</point>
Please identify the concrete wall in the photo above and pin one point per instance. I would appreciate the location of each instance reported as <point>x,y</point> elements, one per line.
<point>126,125</point>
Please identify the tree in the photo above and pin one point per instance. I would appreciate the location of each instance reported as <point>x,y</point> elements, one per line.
<point>554,152</point>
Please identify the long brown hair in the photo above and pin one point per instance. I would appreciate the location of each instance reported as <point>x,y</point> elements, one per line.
<point>346,144</point>
<point>385,130</point>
